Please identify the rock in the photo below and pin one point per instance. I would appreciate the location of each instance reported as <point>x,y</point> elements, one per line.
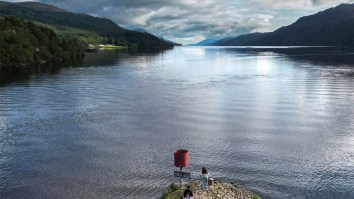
<point>210,181</point>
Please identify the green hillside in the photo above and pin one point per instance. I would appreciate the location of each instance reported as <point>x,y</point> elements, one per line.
<point>84,36</point>
<point>106,29</point>
<point>331,27</point>
<point>23,43</point>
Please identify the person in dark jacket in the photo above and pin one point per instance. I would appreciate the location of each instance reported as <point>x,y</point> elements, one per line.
<point>188,193</point>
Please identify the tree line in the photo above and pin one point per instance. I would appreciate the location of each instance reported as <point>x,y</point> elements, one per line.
<point>87,28</point>
<point>24,43</point>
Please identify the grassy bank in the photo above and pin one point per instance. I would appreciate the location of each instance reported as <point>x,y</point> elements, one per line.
<point>109,47</point>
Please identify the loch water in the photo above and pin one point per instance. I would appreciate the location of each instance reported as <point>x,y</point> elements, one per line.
<point>277,121</point>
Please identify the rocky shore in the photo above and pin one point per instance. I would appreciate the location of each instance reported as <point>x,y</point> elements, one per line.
<point>216,190</point>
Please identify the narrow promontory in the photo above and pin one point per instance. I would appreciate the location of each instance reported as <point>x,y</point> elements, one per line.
<point>218,189</point>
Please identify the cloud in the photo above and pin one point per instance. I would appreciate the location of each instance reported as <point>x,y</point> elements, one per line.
<point>310,4</point>
<point>15,1</point>
<point>176,19</point>
<point>188,21</point>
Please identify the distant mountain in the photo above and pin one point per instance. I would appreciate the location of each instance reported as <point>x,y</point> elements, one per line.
<point>221,41</point>
<point>169,41</point>
<point>238,41</point>
<point>332,27</point>
<point>140,30</point>
<point>145,31</point>
<point>111,32</point>
<point>205,42</point>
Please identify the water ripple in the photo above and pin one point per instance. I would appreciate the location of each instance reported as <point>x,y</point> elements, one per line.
<point>279,125</point>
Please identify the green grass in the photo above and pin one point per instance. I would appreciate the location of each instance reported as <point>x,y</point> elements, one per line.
<point>172,192</point>
<point>255,197</point>
<point>85,36</point>
<point>108,47</point>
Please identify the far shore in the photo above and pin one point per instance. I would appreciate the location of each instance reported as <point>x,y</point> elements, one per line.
<point>108,46</point>
<point>95,48</point>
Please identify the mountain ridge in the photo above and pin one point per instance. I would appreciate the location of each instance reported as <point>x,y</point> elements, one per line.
<point>40,6</point>
<point>330,27</point>
<point>204,42</point>
<point>51,15</point>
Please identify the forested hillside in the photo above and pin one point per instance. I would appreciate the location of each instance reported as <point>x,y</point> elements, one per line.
<point>109,32</point>
<point>23,43</point>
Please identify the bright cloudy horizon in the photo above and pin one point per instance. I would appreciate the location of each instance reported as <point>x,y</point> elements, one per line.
<point>191,21</point>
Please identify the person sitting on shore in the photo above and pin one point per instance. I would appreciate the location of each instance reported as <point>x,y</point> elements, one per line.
<point>188,193</point>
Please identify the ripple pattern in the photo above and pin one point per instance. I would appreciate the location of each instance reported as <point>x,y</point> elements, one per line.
<point>279,125</point>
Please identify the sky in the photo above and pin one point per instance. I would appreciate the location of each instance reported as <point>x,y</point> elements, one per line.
<point>190,21</point>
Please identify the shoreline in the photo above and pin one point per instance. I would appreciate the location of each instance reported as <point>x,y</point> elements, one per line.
<point>218,189</point>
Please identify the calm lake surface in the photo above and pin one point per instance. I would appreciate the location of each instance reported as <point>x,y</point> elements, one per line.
<point>279,122</point>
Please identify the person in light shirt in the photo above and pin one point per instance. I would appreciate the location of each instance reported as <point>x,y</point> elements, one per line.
<point>205,176</point>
